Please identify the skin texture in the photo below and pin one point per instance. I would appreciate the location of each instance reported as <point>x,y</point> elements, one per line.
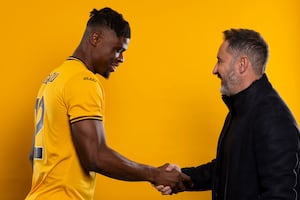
<point>101,50</point>
<point>235,71</point>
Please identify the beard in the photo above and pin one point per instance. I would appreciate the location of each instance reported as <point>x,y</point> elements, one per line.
<point>230,84</point>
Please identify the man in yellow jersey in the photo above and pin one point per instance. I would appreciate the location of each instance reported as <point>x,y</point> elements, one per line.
<point>69,145</point>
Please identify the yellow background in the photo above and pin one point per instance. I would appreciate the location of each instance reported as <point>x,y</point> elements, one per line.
<point>163,104</point>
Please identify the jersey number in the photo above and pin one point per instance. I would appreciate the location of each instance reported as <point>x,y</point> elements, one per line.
<point>39,114</point>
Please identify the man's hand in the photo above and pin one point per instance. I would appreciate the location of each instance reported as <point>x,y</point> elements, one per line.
<point>177,184</point>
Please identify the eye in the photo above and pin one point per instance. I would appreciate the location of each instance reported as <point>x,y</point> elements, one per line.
<point>118,52</point>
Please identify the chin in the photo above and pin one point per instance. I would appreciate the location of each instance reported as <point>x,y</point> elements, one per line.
<point>224,91</point>
<point>106,75</point>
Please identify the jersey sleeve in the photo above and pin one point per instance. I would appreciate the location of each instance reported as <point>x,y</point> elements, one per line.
<point>84,98</point>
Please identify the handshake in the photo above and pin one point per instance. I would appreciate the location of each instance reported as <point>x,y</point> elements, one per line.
<point>170,180</point>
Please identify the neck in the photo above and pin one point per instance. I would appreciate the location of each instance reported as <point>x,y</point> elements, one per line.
<point>80,55</point>
<point>248,81</point>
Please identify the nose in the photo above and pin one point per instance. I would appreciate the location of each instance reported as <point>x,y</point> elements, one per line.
<point>215,69</point>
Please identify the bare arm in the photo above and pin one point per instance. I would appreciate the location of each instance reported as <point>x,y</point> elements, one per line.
<point>95,155</point>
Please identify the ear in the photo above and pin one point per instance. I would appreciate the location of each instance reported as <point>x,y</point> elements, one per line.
<point>244,64</point>
<point>94,38</point>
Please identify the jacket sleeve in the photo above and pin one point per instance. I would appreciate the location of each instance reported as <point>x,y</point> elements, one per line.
<point>201,176</point>
<point>277,152</point>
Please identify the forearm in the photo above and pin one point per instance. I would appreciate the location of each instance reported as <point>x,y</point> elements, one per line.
<point>110,163</point>
<point>95,155</point>
<point>201,176</point>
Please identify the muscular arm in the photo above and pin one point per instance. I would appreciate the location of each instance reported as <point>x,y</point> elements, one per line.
<point>95,155</point>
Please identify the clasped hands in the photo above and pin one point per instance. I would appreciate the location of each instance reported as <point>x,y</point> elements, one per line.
<point>171,180</point>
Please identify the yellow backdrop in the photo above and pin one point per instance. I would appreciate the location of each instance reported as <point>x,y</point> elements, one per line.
<point>163,104</point>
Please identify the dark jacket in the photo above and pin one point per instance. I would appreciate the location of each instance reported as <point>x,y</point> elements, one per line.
<point>258,149</point>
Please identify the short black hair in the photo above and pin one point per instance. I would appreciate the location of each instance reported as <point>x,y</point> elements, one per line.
<point>107,17</point>
<point>250,43</point>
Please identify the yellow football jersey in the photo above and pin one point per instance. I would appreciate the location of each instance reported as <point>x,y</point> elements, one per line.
<point>69,94</point>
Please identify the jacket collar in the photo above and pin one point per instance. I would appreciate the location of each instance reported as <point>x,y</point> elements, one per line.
<point>243,101</point>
